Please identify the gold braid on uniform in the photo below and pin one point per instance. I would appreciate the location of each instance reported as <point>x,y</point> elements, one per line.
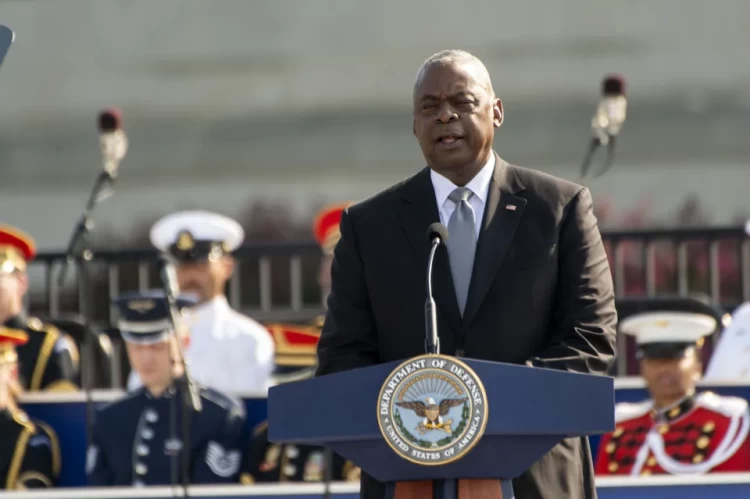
<point>32,475</point>
<point>247,479</point>
<point>20,451</point>
<point>56,460</point>
<point>44,354</point>
<point>61,385</point>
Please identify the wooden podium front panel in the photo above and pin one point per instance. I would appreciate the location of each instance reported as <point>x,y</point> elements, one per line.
<point>467,489</point>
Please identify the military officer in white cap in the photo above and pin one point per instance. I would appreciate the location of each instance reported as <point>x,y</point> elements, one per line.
<point>229,352</point>
<point>731,357</point>
<point>679,430</point>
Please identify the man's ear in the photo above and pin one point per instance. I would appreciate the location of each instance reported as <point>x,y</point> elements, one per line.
<point>23,283</point>
<point>228,266</point>
<point>498,115</point>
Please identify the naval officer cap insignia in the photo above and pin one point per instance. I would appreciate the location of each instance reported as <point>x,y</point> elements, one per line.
<point>191,236</point>
<point>144,317</point>
<point>326,226</point>
<point>432,410</point>
<point>668,334</point>
<point>16,249</point>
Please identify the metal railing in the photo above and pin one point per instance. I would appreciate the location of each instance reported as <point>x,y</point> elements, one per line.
<point>277,282</point>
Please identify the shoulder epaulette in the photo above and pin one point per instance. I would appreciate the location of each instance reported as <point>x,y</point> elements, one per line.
<point>728,406</point>
<point>625,411</point>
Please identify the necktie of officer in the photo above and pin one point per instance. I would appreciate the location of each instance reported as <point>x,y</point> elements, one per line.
<point>462,243</point>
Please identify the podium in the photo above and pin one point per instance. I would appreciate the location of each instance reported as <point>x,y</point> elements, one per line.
<point>529,410</point>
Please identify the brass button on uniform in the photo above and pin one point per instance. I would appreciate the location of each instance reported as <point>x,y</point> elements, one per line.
<point>703,442</point>
<point>709,427</point>
<point>651,461</point>
<point>618,432</point>
<point>611,447</point>
<point>613,467</point>
<point>663,429</point>
<point>698,458</point>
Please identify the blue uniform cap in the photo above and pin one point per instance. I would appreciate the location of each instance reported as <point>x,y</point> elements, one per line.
<point>144,316</point>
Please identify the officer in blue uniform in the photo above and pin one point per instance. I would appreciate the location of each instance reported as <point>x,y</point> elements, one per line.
<point>138,440</point>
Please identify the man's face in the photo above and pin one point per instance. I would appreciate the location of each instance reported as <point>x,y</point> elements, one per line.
<point>153,362</point>
<point>669,380</point>
<point>455,115</point>
<point>13,287</point>
<point>207,278</point>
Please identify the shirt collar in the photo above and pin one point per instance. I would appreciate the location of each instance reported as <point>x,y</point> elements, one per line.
<point>216,303</point>
<point>479,185</point>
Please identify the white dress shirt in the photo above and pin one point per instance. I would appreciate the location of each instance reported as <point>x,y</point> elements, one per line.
<point>479,185</point>
<point>228,351</point>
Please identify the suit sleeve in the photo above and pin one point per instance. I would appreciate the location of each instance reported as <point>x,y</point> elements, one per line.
<point>584,317</point>
<point>221,459</point>
<point>97,466</point>
<point>349,337</point>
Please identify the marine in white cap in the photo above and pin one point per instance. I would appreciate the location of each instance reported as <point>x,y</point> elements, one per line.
<point>731,358</point>
<point>229,352</point>
<point>678,431</point>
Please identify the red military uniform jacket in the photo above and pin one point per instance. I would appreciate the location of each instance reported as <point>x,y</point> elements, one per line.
<point>704,433</point>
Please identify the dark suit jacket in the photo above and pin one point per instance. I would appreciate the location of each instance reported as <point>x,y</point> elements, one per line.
<point>541,294</point>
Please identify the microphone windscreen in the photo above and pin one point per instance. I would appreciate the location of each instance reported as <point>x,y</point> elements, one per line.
<point>110,120</point>
<point>613,85</point>
<point>437,230</point>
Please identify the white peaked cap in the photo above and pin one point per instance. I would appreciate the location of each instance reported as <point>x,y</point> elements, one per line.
<point>668,327</point>
<point>202,225</point>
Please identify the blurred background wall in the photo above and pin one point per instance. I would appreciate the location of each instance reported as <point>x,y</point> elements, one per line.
<point>233,105</point>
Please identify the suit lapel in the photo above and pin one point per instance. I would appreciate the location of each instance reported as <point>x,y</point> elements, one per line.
<point>417,211</point>
<point>502,215</point>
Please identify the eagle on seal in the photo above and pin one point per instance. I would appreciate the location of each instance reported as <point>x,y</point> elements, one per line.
<point>431,411</point>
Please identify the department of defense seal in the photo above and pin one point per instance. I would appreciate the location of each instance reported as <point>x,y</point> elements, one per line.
<point>432,409</point>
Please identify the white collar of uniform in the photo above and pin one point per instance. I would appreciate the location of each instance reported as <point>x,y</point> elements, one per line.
<point>215,304</point>
<point>479,185</point>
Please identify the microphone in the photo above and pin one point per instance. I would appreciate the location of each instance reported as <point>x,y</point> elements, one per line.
<point>607,122</point>
<point>436,234</point>
<point>112,140</point>
<point>612,110</point>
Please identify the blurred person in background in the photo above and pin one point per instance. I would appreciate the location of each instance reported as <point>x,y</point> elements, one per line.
<point>731,356</point>
<point>296,359</point>
<point>678,431</point>
<point>229,352</point>
<point>136,439</point>
<point>49,360</point>
<point>29,450</point>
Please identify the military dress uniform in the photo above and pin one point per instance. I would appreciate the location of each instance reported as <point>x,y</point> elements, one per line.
<point>138,439</point>
<point>29,450</point>
<point>50,359</point>
<point>702,433</point>
<point>229,351</point>
<point>270,462</point>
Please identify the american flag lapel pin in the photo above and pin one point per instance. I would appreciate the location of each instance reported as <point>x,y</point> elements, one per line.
<point>510,207</point>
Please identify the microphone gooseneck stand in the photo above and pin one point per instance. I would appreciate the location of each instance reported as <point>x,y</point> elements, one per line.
<point>595,144</point>
<point>79,252</point>
<point>188,390</point>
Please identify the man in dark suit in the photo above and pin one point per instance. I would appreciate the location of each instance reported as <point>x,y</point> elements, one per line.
<point>523,278</point>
